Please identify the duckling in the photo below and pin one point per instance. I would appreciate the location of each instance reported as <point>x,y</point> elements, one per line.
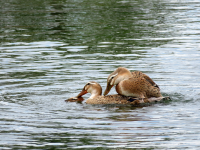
<point>136,84</point>
<point>96,98</point>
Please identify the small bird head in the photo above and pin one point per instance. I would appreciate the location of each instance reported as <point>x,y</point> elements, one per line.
<point>91,87</point>
<point>115,77</point>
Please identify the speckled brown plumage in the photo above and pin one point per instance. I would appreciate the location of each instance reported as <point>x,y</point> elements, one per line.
<point>135,84</point>
<point>109,99</point>
<point>96,98</point>
<point>138,74</point>
<point>120,99</point>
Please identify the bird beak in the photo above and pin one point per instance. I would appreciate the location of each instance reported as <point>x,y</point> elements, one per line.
<point>107,89</point>
<point>83,92</point>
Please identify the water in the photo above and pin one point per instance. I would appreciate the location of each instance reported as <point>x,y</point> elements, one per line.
<point>51,49</point>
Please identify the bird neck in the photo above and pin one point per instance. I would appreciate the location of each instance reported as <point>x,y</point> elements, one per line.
<point>95,94</point>
<point>124,76</point>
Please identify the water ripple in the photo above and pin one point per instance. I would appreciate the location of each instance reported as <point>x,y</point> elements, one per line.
<point>61,46</point>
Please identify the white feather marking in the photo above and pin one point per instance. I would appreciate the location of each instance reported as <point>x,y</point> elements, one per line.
<point>91,83</point>
<point>111,78</point>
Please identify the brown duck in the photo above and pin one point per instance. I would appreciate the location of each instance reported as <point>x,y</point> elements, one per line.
<point>96,98</point>
<point>135,84</point>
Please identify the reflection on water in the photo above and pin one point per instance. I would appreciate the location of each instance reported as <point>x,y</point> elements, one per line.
<point>50,49</point>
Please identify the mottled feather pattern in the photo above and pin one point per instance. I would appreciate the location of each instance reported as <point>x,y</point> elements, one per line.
<point>131,85</point>
<point>138,74</point>
<point>114,99</point>
<point>120,99</point>
<point>139,85</point>
<point>140,97</point>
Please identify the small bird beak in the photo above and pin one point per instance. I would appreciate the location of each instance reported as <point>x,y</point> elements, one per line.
<point>107,89</point>
<point>83,92</point>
